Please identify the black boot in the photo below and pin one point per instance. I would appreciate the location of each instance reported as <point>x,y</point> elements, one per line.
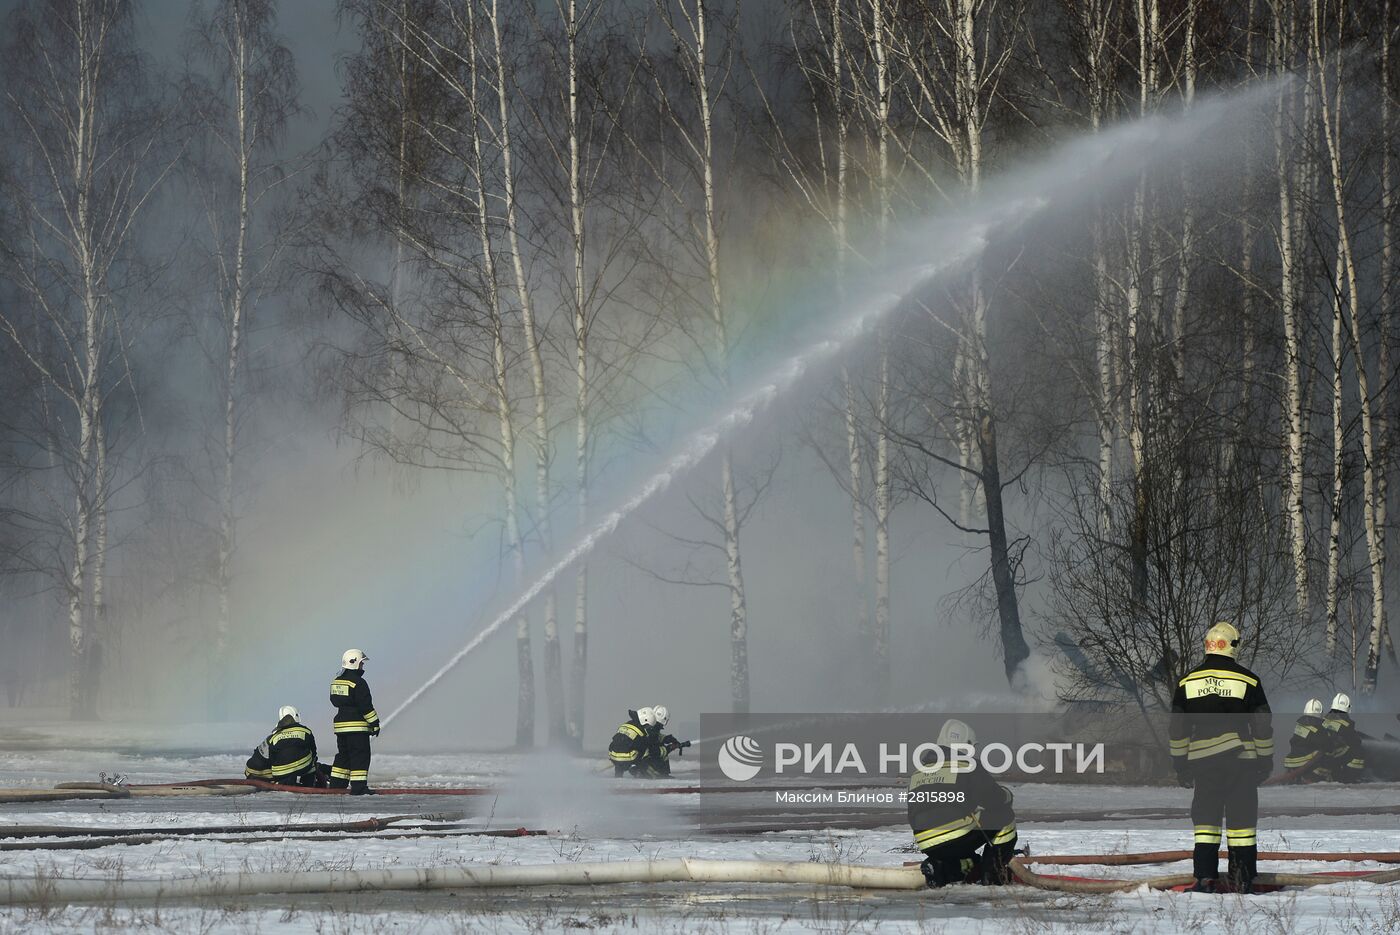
<point>360,787</point>
<point>939,873</point>
<point>1204,885</point>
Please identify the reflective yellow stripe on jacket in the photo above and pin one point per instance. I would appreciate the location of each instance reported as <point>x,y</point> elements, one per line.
<point>1210,746</point>
<point>292,769</point>
<point>944,833</point>
<point>351,727</point>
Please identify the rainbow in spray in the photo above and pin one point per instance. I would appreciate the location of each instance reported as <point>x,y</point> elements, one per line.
<point>953,241</point>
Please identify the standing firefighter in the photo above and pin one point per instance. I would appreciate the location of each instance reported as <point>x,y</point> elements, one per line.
<point>1306,745</point>
<point>630,745</point>
<point>1222,743</point>
<point>288,755</point>
<point>356,722</point>
<point>956,809</point>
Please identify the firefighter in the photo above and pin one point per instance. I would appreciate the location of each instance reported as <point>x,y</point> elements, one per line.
<point>1343,759</point>
<point>356,722</point>
<point>1305,747</point>
<point>655,760</point>
<point>288,755</point>
<point>629,745</point>
<point>1222,743</point>
<point>956,809</point>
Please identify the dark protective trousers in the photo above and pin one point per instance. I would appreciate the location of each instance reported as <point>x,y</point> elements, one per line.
<point>1227,799</point>
<point>351,766</point>
<point>954,861</point>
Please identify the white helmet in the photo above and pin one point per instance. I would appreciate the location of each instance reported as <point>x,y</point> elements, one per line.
<point>1341,702</point>
<point>1222,639</point>
<point>955,731</point>
<point>352,659</point>
<point>288,711</point>
<point>659,715</point>
<point>1314,706</point>
<point>644,716</point>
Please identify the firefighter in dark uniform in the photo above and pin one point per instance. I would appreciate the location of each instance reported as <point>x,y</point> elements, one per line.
<point>356,722</point>
<point>1343,759</point>
<point>288,755</point>
<point>629,746</point>
<point>655,760</point>
<point>1222,743</point>
<point>1305,747</point>
<point>956,809</point>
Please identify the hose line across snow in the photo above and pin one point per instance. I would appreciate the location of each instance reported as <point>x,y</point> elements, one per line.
<point>676,870</point>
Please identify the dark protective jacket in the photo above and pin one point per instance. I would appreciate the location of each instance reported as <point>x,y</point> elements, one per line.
<point>630,743</point>
<point>1306,743</point>
<point>290,750</point>
<point>354,707</point>
<point>655,759</point>
<point>1220,715</point>
<point>957,799</point>
<point>1343,757</point>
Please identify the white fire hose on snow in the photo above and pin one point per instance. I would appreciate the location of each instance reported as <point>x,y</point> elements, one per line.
<point>672,870</point>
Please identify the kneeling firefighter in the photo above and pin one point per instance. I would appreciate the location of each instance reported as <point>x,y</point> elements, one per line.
<point>1343,758</point>
<point>356,722</point>
<point>1222,745</point>
<point>655,760</point>
<point>631,743</point>
<point>957,809</point>
<point>288,755</point>
<point>1306,746</point>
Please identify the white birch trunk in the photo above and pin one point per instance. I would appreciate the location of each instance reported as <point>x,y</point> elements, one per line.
<point>738,602</point>
<point>1385,409</point>
<point>882,479</point>
<point>234,302</point>
<point>525,711</point>
<point>1188,218</point>
<point>579,671</point>
<point>1094,27</point>
<point>1334,528</point>
<point>553,655</point>
<point>1330,103</point>
<point>1294,434</point>
<point>85,115</point>
<point>854,466</point>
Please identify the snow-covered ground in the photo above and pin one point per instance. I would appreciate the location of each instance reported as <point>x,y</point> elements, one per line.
<point>589,820</point>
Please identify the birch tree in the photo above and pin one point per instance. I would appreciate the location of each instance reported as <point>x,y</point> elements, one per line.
<point>1281,55</point>
<point>702,59</point>
<point>243,108</point>
<point>1331,106</point>
<point>954,74</point>
<point>533,337</point>
<point>79,115</point>
<point>442,361</point>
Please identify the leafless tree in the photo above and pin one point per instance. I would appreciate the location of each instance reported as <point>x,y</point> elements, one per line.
<point>242,88</point>
<point>87,140</point>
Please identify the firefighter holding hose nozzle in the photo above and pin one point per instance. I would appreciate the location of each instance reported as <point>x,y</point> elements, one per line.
<point>1342,759</point>
<point>956,810</point>
<point>656,760</point>
<point>639,748</point>
<point>356,722</point>
<point>1222,745</point>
